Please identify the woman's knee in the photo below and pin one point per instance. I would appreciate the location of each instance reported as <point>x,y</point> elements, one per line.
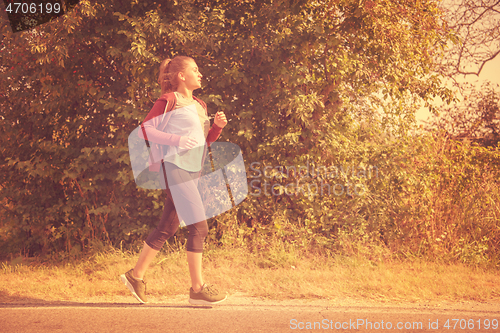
<point>202,229</point>
<point>197,234</point>
<point>157,238</point>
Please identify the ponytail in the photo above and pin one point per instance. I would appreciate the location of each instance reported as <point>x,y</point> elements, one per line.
<point>169,72</point>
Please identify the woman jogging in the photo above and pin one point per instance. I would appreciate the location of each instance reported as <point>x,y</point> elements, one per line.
<point>177,128</point>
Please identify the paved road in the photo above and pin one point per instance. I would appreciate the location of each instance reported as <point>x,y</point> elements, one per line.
<point>241,314</point>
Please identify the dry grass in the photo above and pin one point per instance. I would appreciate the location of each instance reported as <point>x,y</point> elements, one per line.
<point>276,275</point>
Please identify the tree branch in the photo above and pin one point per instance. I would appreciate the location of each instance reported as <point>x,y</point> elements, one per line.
<point>481,67</point>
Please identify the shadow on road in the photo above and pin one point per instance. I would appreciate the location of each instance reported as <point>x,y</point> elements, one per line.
<point>13,301</point>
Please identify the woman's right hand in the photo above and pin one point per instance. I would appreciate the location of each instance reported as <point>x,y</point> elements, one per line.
<point>187,142</point>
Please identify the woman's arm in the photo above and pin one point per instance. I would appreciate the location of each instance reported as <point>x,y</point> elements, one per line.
<point>149,126</point>
<point>220,122</point>
<point>213,133</point>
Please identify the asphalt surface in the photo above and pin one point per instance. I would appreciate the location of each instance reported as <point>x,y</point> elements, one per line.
<point>244,314</point>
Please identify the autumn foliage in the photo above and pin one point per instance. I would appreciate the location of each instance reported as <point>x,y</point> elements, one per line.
<point>324,83</point>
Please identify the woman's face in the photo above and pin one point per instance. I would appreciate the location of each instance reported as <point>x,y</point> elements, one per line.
<point>191,76</point>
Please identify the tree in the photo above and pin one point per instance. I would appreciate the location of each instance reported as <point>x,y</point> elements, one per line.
<point>294,77</point>
<point>477,119</point>
<point>476,25</point>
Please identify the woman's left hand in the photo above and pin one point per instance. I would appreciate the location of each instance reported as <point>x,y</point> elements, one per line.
<point>220,119</point>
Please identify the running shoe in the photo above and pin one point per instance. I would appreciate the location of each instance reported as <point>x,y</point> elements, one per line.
<point>137,287</point>
<point>208,295</point>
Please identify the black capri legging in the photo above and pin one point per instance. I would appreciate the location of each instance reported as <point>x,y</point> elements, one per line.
<point>190,208</point>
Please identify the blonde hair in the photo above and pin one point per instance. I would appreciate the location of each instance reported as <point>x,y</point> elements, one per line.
<point>169,72</point>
